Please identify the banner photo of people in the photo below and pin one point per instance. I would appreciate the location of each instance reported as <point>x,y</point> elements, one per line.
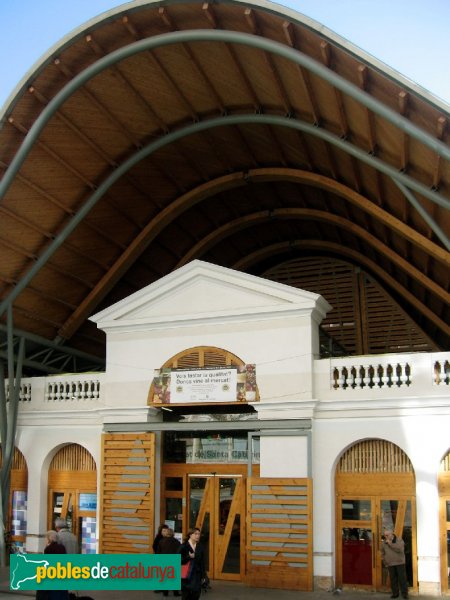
<point>212,384</point>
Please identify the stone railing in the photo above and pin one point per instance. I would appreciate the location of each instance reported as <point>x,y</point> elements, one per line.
<point>383,376</point>
<point>25,391</point>
<point>386,371</point>
<point>387,376</point>
<point>71,391</point>
<point>67,390</point>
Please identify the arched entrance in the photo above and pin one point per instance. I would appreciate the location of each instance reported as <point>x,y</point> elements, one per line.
<point>17,513</point>
<point>375,489</point>
<point>72,494</point>
<point>204,473</point>
<point>444,500</point>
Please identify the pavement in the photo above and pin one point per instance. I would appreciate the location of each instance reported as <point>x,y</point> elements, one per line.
<point>220,590</point>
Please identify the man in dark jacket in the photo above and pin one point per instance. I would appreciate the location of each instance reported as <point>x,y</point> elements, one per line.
<point>393,555</point>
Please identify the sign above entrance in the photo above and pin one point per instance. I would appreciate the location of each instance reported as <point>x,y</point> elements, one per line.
<point>213,384</point>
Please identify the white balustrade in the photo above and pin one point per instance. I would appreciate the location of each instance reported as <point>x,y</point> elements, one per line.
<point>24,394</point>
<point>371,375</point>
<point>441,373</point>
<point>72,390</point>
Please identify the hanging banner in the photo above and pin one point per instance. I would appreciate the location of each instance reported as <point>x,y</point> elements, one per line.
<point>216,384</point>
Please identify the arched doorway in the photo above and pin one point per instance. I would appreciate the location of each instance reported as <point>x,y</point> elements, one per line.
<point>72,494</point>
<point>375,489</point>
<point>444,500</point>
<point>204,473</point>
<point>17,513</point>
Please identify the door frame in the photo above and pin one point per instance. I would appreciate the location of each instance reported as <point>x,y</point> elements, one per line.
<point>183,471</point>
<point>444,498</point>
<point>220,533</point>
<point>373,486</point>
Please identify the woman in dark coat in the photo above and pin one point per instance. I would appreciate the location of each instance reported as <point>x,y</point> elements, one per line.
<point>191,552</point>
<point>168,544</point>
<point>53,547</point>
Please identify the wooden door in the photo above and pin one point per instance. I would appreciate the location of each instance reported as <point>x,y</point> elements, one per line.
<point>445,545</point>
<point>361,522</point>
<point>216,507</point>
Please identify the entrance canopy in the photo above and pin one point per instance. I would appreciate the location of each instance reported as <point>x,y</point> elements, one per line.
<point>240,133</point>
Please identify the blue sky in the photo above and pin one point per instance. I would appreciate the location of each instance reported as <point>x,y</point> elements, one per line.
<point>411,36</point>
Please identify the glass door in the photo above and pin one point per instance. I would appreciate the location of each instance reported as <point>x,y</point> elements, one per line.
<point>361,523</point>
<point>445,545</point>
<point>215,506</point>
<point>357,550</point>
<point>396,515</point>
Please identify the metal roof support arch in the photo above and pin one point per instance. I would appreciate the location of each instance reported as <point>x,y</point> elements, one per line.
<point>423,213</point>
<point>202,126</point>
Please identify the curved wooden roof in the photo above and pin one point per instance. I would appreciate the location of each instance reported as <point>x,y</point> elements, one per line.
<point>241,133</point>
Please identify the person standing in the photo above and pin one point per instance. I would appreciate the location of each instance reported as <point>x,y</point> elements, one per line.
<point>168,544</point>
<point>192,553</point>
<point>53,547</point>
<point>158,537</point>
<point>66,537</point>
<point>393,555</point>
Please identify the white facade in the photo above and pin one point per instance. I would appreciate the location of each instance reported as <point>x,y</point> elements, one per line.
<point>276,328</point>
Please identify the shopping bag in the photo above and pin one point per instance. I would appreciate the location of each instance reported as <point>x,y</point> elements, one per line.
<point>186,570</point>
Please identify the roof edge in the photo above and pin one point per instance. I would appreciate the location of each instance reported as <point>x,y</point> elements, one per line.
<point>271,7</point>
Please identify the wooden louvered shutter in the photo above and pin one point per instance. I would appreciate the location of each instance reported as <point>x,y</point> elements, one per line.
<point>127,493</point>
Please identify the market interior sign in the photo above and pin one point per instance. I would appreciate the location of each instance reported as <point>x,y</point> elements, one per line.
<point>212,384</point>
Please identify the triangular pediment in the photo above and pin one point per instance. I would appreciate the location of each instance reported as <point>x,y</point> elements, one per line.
<point>203,291</point>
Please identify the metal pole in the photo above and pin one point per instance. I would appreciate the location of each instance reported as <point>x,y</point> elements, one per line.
<point>423,213</point>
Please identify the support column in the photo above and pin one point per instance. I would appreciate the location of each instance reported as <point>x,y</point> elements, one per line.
<point>428,565</point>
<point>36,502</point>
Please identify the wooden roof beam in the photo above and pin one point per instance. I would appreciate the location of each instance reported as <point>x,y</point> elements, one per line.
<point>69,212</point>
<point>326,52</point>
<point>126,83</point>
<point>403,101</point>
<point>356,175</point>
<point>167,215</point>
<point>51,298</point>
<point>330,159</point>
<point>32,256</point>
<point>252,22</point>
<point>289,33</point>
<point>164,14</point>
<point>441,126</point>
<point>50,235</point>
<point>228,229</point>
<point>305,150</point>
<point>99,105</point>
<point>212,19</point>
<point>101,153</point>
<point>363,76</point>
<point>276,143</point>
<point>46,148</point>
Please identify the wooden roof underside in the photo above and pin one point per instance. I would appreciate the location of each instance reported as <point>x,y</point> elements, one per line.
<point>254,192</point>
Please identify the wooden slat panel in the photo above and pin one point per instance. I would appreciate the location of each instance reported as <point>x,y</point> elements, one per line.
<point>73,457</point>
<point>127,494</point>
<point>386,325</point>
<point>279,534</point>
<point>374,456</point>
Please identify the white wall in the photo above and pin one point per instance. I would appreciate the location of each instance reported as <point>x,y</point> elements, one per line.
<point>39,445</point>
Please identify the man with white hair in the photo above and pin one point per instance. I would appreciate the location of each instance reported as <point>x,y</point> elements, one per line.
<point>66,537</point>
<point>393,555</point>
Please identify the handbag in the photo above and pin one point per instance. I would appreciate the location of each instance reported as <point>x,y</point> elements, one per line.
<point>186,569</point>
